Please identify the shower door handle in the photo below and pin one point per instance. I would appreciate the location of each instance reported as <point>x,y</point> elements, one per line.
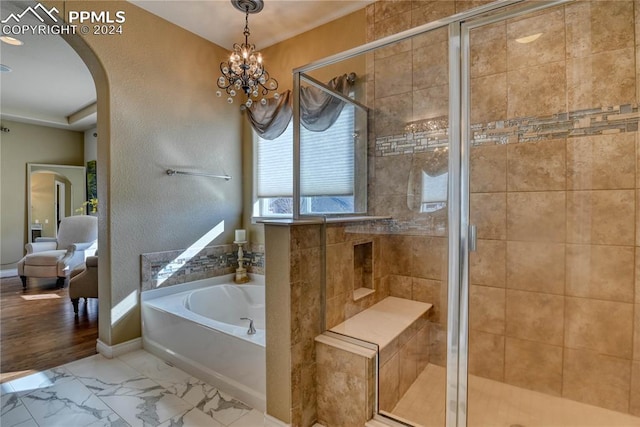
<point>473,238</point>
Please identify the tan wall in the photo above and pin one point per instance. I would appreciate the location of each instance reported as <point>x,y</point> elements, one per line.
<point>157,109</point>
<point>280,60</point>
<point>334,37</point>
<point>24,144</point>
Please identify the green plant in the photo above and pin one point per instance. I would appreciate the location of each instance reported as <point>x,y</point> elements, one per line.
<point>91,205</point>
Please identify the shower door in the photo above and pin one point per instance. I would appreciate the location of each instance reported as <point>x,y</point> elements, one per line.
<point>550,115</point>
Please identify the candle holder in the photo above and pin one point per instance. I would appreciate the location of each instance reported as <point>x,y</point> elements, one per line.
<point>241,272</point>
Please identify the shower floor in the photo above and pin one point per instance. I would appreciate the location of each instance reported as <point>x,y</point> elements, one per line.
<point>492,403</point>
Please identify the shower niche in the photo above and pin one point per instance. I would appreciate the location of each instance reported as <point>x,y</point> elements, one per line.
<point>362,270</point>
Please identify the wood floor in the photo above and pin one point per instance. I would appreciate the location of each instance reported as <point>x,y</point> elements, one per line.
<point>39,331</point>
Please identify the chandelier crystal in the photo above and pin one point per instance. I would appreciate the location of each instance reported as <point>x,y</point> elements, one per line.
<point>244,72</point>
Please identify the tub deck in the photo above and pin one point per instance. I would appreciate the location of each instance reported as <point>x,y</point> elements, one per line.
<point>221,354</point>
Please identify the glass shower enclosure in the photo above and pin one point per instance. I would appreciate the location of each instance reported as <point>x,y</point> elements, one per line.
<point>498,151</point>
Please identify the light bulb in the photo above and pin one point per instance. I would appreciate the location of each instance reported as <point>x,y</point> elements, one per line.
<point>276,95</point>
<point>218,94</point>
<point>221,80</point>
<point>248,103</point>
<point>230,100</point>
<point>263,101</point>
<point>232,92</point>
<point>255,93</point>
<point>272,85</point>
<point>225,70</point>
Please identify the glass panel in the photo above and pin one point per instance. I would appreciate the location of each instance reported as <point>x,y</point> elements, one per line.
<point>386,280</point>
<point>554,195</point>
<point>411,161</point>
<point>332,147</point>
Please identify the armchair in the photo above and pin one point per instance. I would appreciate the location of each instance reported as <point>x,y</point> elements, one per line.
<point>84,282</point>
<point>77,237</point>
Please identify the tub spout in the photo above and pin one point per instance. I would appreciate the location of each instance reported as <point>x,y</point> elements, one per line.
<point>252,329</point>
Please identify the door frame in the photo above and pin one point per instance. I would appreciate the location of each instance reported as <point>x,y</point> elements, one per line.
<point>460,104</point>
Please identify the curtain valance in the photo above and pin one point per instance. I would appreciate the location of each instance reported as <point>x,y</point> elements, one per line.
<point>318,109</point>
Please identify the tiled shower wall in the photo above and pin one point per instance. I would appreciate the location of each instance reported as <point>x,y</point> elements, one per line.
<point>553,292</point>
<point>555,283</point>
<point>340,304</point>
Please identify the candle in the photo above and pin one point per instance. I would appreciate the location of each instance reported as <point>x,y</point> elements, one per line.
<point>241,235</point>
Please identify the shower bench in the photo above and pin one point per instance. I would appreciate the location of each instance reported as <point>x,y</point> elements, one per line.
<point>398,328</point>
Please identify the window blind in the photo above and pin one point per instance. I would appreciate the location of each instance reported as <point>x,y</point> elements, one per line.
<point>275,165</point>
<point>326,161</point>
<point>327,158</point>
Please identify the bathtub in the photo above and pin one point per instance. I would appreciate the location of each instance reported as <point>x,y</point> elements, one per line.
<point>196,326</point>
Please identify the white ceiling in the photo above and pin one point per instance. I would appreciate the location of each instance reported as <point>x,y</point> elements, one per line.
<point>218,21</point>
<point>49,82</point>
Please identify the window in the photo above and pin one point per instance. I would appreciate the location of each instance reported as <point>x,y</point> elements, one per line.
<point>327,165</point>
<point>434,192</point>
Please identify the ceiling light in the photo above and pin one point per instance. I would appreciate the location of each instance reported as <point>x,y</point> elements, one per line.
<point>529,39</point>
<point>11,40</point>
<point>5,68</point>
<point>244,71</point>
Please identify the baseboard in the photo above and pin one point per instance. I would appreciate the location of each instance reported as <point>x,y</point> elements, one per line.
<point>111,351</point>
<point>270,421</point>
<point>11,272</point>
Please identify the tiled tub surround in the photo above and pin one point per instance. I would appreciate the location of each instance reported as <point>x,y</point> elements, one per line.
<point>555,283</point>
<point>161,269</point>
<point>197,327</point>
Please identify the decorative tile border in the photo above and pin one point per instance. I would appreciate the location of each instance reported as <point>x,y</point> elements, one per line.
<point>162,269</point>
<point>429,134</point>
<point>430,225</point>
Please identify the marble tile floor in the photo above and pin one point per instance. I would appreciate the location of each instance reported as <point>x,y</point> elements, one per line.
<point>135,389</point>
<point>496,404</point>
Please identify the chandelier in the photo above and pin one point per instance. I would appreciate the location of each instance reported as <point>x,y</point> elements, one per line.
<point>244,71</point>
